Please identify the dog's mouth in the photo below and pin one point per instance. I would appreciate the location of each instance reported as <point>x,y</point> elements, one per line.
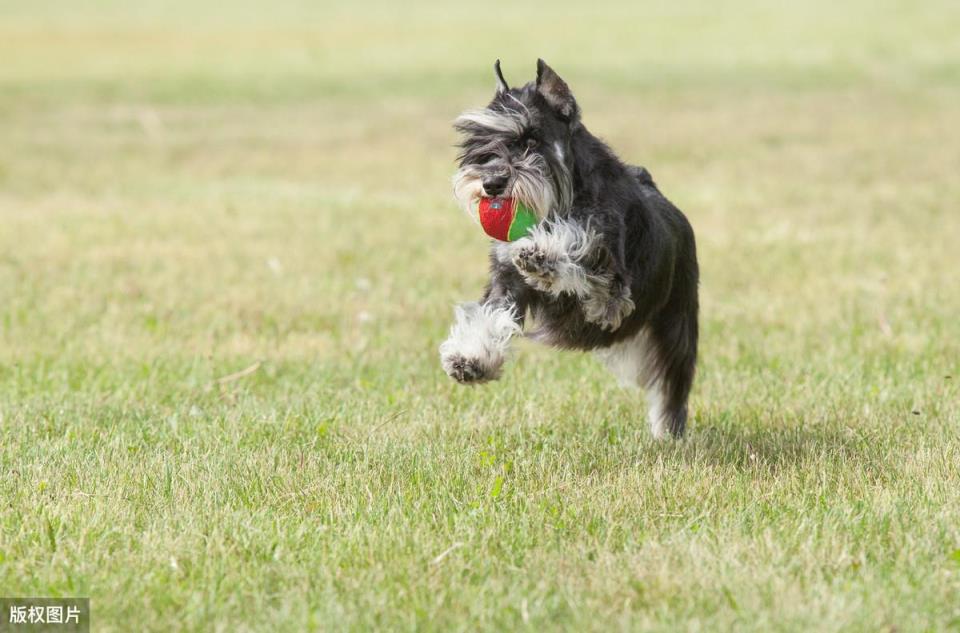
<point>526,189</point>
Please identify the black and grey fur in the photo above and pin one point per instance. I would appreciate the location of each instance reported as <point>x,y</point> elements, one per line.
<point>612,266</point>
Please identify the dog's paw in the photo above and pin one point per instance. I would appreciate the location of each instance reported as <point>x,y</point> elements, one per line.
<point>478,343</point>
<point>469,371</point>
<point>537,267</point>
<point>608,310</point>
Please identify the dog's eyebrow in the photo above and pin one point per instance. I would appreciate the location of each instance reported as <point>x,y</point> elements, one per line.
<point>498,121</point>
<point>480,150</point>
<point>520,103</point>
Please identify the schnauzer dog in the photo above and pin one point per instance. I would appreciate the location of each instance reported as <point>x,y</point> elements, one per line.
<point>611,266</point>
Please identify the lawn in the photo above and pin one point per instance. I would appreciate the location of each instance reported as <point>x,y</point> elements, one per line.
<point>229,252</point>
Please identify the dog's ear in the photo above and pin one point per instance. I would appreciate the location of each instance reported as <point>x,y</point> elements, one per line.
<point>501,82</point>
<point>556,92</point>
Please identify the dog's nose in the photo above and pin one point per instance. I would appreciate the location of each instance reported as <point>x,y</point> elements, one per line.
<point>494,185</point>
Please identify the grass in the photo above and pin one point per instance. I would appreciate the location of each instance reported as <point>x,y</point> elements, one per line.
<point>191,192</point>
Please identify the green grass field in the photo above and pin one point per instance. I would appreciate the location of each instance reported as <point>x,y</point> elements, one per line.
<point>229,251</point>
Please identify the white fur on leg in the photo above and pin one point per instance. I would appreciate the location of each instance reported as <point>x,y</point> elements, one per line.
<point>553,259</point>
<point>478,342</point>
<point>630,360</point>
<point>550,258</point>
<point>633,363</point>
<point>656,411</point>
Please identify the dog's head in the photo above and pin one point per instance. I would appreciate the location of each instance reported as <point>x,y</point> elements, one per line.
<point>520,145</point>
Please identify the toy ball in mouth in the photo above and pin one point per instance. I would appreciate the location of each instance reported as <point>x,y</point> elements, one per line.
<point>505,219</point>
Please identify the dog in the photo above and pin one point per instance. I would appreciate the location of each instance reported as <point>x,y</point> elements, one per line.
<point>611,266</point>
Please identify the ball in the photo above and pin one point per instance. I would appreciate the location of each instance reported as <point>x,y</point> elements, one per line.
<point>505,219</point>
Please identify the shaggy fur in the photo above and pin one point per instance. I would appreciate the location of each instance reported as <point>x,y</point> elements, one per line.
<point>612,266</point>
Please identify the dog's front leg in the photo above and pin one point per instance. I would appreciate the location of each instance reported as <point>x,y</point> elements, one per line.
<point>480,337</point>
<point>563,257</point>
<point>610,302</point>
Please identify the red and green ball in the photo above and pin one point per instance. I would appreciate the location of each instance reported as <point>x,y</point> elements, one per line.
<point>505,219</point>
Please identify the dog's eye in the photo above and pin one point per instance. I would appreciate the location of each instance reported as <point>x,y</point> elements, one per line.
<point>532,143</point>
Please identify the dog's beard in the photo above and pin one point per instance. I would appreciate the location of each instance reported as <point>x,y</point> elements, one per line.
<point>468,189</point>
<point>530,183</point>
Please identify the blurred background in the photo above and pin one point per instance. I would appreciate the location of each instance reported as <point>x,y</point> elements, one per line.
<point>250,177</point>
<point>229,251</point>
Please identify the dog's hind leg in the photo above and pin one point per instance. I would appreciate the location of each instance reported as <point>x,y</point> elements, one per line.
<point>661,358</point>
<point>672,363</point>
